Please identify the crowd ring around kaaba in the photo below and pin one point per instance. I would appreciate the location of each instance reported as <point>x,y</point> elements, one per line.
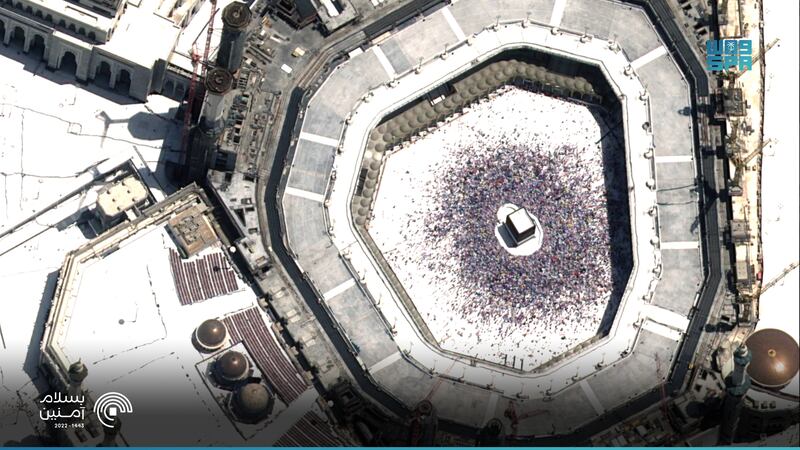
<point>435,217</point>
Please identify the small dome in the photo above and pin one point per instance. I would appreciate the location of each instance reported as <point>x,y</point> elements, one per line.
<point>211,334</point>
<point>78,371</point>
<point>252,401</point>
<point>232,366</point>
<point>775,358</point>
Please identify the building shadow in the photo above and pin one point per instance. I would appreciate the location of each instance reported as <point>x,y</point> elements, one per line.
<point>508,240</point>
<point>617,207</point>
<point>34,63</point>
<point>139,124</point>
<point>33,355</point>
<point>101,88</point>
<point>15,51</point>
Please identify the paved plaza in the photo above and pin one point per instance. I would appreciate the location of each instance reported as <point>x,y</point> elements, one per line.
<point>434,221</point>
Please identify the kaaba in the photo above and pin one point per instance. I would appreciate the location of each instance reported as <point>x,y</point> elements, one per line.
<point>520,225</point>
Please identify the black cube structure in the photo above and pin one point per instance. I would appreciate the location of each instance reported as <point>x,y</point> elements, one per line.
<point>520,225</point>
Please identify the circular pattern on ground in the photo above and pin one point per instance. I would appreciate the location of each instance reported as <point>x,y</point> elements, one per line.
<point>440,202</point>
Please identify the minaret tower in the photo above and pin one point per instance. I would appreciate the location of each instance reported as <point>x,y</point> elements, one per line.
<point>738,382</point>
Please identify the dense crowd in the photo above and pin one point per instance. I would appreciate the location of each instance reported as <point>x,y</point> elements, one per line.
<point>476,297</point>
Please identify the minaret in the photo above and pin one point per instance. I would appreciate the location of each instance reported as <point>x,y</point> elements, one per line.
<point>738,382</point>
<point>110,434</point>
<point>77,373</point>
<point>218,83</point>
<point>235,19</point>
<point>204,137</point>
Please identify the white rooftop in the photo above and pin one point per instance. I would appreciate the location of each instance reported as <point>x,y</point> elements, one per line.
<point>195,34</point>
<point>93,134</point>
<point>779,307</point>
<point>79,13</point>
<point>41,168</point>
<point>126,323</point>
<point>26,274</point>
<point>142,36</point>
<point>87,130</point>
<point>130,329</point>
<point>121,196</point>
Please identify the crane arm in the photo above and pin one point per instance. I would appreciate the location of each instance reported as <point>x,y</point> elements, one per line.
<point>780,276</point>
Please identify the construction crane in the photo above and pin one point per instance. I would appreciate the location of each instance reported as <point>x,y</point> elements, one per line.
<point>779,277</point>
<point>766,49</point>
<point>203,65</point>
<point>746,160</point>
<point>187,112</point>
<point>741,165</point>
<point>733,76</point>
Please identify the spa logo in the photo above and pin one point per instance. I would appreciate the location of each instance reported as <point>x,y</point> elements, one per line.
<point>724,54</point>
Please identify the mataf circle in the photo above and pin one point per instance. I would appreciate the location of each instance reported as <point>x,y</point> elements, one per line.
<point>436,215</point>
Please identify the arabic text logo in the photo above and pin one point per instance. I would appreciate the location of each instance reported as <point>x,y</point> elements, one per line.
<point>59,406</point>
<point>109,405</point>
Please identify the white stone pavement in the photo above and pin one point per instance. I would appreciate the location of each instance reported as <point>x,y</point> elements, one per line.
<point>779,307</point>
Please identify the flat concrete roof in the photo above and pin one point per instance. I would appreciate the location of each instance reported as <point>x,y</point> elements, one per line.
<point>142,36</point>
<point>128,326</point>
<point>121,196</point>
<point>194,33</point>
<point>117,309</point>
<point>80,14</point>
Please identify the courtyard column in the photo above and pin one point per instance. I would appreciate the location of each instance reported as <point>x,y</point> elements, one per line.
<point>82,60</point>
<point>28,39</point>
